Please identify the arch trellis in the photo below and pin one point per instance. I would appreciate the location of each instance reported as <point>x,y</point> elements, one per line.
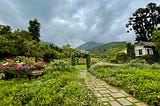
<point>78,54</point>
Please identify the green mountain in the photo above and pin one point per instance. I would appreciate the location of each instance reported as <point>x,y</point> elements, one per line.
<point>105,47</point>
<point>109,48</point>
<point>88,45</point>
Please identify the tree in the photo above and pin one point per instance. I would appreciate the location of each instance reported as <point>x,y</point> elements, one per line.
<point>34,28</point>
<point>156,39</point>
<point>143,21</point>
<point>130,51</point>
<point>5,29</point>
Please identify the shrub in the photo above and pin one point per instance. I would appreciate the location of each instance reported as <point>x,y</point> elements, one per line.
<point>58,88</point>
<point>20,68</point>
<point>149,58</point>
<point>141,82</point>
<point>113,60</point>
<point>121,57</point>
<point>58,65</point>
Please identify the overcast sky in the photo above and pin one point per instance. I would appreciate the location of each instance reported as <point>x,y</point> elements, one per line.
<point>73,21</point>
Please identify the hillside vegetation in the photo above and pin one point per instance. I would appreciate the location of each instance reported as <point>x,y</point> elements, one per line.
<point>88,45</point>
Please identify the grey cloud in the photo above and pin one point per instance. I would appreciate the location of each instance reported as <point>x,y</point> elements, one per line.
<point>73,21</point>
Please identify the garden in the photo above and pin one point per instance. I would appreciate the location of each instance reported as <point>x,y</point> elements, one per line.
<point>59,85</point>
<point>138,79</point>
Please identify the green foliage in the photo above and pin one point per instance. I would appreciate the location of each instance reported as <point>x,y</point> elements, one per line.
<point>34,28</point>
<point>88,61</point>
<point>20,68</point>
<point>5,29</point>
<point>130,51</point>
<point>148,58</point>
<point>121,57</point>
<point>141,81</point>
<point>113,60</point>
<point>58,65</point>
<point>156,39</point>
<point>104,48</point>
<point>54,88</point>
<point>144,20</point>
<point>81,54</point>
<point>73,59</point>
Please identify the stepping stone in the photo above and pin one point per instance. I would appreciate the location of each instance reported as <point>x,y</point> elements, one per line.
<point>131,99</point>
<point>141,104</point>
<point>109,95</point>
<point>104,92</point>
<point>106,95</point>
<point>117,95</point>
<point>99,89</point>
<point>103,99</point>
<point>124,101</point>
<point>98,95</point>
<point>114,103</point>
<point>113,90</point>
<point>111,99</point>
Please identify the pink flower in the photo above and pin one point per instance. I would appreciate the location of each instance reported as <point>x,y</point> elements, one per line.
<point>20,66</point>
<point>1,66</point>
<point>10,65</point>
<point>41,63</point>
<point>30,67</point>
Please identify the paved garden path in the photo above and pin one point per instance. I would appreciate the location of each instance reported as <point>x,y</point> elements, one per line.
<point>108,95</point>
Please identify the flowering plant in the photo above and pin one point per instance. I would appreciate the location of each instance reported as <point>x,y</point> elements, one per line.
<point>19,67</point>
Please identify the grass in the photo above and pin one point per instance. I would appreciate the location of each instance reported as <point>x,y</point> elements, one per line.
<point>54,88</point>
<point>141,81</point>
<point>81,67</point>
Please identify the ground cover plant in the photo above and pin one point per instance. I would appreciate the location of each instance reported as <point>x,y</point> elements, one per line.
<point>59,86</point>
<point>138,79</point>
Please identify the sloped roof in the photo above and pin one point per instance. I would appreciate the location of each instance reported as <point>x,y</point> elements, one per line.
<point>148,44</point>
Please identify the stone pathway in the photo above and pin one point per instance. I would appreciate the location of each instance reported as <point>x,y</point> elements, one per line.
<point>108,95</point>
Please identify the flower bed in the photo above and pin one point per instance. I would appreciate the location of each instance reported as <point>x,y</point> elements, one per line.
<point>21,67</point>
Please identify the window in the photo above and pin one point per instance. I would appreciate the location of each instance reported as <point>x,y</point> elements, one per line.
<point>148,52</point>
<point>140,51</point>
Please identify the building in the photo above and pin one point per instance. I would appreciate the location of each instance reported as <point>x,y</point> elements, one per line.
<point>144,48</point>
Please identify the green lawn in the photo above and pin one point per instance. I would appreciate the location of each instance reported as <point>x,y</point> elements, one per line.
<point>141,81</point>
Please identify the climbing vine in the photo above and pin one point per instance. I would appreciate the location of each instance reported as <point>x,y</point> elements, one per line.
<point>76,55</point>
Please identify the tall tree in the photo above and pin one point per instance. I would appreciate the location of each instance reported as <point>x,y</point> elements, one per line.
<point>34,28</point>
<point>156,39</point>
<point>143,21</point>
<point>5,29</point>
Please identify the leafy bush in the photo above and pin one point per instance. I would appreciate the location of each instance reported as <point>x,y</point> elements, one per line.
<point>54,88</point>
<point>113,60</point>
<point>141,82</point>
<point>148,58</point>
<point>58,65</point>
<point>121,57</point>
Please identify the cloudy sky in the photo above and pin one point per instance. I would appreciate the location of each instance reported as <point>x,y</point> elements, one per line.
<point>73,21</point>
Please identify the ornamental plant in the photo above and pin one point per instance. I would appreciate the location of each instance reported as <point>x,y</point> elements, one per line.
<point>15,67</point>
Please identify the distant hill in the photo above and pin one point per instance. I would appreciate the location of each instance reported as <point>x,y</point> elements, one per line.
<point>105,47</point>
<point>88,45</point>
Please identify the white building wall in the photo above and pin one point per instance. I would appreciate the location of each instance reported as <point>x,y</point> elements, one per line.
<point>144,50</point>
<point>150,51</point>
<point>137,48</point>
